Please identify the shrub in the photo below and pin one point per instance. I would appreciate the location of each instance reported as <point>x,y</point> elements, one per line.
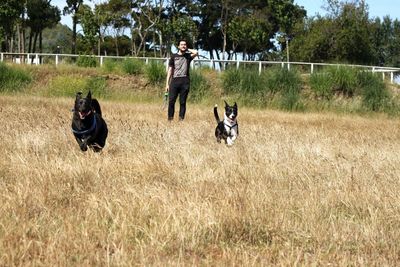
<point>155,73</point>
<point>199,87</point>
<point>98,87</point>
<point>65,86</point>
<point>13,79</point>
<point>86,62</point>
<point>132,66</point>
<point>321,85</point>
<point>231,80</point>
<point>343,80</point>
<point>375,95</point>
<point>110,65</point>
<point>288,84</point>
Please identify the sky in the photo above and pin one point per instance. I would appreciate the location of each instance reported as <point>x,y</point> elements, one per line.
<point>377,8</point>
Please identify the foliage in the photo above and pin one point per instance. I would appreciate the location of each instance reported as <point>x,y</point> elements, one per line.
<point>13,79</point>
<point>334,80</point>
<point>133,66</point>
<point>90,27</point>
<point>231,80</point>
<point>287,84</point>
<point>321,85</point>
<point>86,62</point>
<point>343,80</point>
<point>41,15</point>
<point>199,86</point>
<point>155,73</point>
<point>375,95</point>
<point>97,85</point>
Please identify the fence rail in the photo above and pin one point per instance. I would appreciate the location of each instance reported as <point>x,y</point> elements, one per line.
<point>47,58</point>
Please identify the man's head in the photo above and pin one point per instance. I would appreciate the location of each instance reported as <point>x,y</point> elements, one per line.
<point>182,46</point>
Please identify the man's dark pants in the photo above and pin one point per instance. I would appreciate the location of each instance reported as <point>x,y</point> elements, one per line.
<point>181,89</point>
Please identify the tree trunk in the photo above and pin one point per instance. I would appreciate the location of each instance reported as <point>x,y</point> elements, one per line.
<point>74,22</point>
<point>40,46</point>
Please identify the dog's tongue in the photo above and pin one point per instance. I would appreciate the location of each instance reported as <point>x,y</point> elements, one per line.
<point>83,114</point>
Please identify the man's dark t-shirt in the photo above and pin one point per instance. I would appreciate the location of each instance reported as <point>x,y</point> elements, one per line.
<point>180,65</point>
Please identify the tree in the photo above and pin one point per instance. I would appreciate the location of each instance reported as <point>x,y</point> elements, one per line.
<point>10,11</point>
<point>343,35</point>
<point>72,9</point>
<point>146,15</point>
<point>90,27</point>
<point>118,12</point>
<point>41,15</point>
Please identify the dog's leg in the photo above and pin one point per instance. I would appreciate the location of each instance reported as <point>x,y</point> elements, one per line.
<point>82,144</point>
<point>229,141</point>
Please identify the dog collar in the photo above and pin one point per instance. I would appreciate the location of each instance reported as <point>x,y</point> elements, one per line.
<point>86,131</point>
<point>229,126</point>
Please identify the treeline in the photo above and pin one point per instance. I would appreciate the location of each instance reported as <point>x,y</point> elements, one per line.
<point>226,29</point>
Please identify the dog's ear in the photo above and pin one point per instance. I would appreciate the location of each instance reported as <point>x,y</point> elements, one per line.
<point>78,95</point>
<point>89,95</point>
<point>235,105</point>
<point>226,104</point>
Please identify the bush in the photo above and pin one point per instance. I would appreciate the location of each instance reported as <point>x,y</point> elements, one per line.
<point>343,80</point>
<point>132,66</point>
<point>199,87</point>
<point>155,73</point>
<point>110,65</point>
<point>98,87</point>
<point>288,84</point>
<point>321,85</point>
<point>231,80</point>
<point>375,96</point>
<point>65,86</point>
<point>13,79</point>
<point>86,62</point>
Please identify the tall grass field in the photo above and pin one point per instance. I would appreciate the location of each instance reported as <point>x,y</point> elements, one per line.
<point>312,180</point>
<point>296,189</point>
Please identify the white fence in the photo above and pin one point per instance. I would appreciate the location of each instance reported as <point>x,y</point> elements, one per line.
<point>56,59</point>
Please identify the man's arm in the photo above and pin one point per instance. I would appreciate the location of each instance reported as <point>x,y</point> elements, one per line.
<point>169,74</point>
<point>193,52</point>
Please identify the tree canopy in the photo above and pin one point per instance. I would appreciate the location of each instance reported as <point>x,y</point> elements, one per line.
<point>227,29</point>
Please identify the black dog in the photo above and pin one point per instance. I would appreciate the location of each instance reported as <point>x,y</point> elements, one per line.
<point>88,126</point>
<point>228,129</point>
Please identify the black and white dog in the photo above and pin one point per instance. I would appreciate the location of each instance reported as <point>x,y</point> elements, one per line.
<point>228,129</point>
<point>88,126</point>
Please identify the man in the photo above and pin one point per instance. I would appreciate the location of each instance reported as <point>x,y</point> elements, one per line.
<point>178,81</point>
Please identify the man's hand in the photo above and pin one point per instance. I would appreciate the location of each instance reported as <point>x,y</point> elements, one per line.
<point>193,52</point>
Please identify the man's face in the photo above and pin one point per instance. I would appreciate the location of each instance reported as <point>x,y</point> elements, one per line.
<point>182,46</point>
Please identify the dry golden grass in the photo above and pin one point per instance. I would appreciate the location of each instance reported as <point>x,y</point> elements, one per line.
<point>295,189</point>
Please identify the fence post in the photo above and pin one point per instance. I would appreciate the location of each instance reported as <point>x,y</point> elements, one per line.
<point>212,64</point>
<point>57,60</point>
<point>391,77</point>
<point>383,75</point>
<point>259,67</point>
<point>312,68</point>
<point>101,61</point>
<point>37,59</point>
<point>2,57</point>
<point>237,64</point>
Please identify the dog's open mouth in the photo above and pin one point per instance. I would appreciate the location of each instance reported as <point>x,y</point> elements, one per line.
<point>83,114</point>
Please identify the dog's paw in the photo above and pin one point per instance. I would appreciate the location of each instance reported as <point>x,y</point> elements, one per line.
<point>83,147</point>
<point>229,141</point>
